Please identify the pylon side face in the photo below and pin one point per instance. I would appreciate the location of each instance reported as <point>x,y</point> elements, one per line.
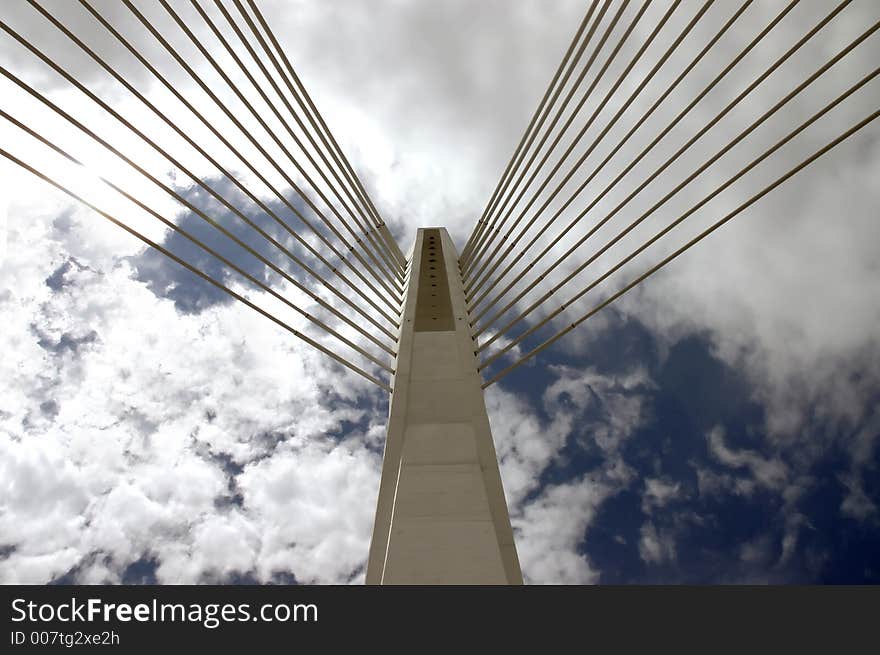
<point>441,516</point>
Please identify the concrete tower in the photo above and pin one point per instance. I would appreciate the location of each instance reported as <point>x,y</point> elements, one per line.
<point>441,516</point>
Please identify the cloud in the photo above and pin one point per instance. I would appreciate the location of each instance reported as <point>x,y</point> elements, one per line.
<point>132,441</point>
<point>857,504</point>
<point>521,457</point>
<point>309,504</point>
<point>440,91</point>
<point>551,519</point>
<point>618,400</point>
<point>767,472</point>
<point>659,493</point>
<point>126,379</point>
<point>551,529</point>
<point>654,547</point>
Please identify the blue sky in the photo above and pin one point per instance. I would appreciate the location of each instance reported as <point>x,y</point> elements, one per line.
<point>719,424</point>
<point>710,534</point>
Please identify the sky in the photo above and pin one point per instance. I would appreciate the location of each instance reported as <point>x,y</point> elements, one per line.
<point>717,424</point>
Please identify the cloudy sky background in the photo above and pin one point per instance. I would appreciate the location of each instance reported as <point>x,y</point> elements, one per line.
<point>719,424</point>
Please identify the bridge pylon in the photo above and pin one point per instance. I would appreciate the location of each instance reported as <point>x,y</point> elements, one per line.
<point>441,516</point>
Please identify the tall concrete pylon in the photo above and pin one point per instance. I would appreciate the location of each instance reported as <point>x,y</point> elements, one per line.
<point>441,516</point>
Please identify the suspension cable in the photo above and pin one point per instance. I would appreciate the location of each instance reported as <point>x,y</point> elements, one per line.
<point>731,144</point>
<point>196,271</point>
<point>363,218</point>
<point>477,315</point>
<point>491,228</point>
<point>683,148</point>
<point>176,196</point>
<point>474,271</point>
<point>67,76</point>
<point>244,160</point>
<point>788,137</point>
<point>389,298</point>
<point>488,273</point>
<point>501,187</point>
<point>315,115</point>
<point>384,267</point>
<point>208,249</point>
<point>685,247</point>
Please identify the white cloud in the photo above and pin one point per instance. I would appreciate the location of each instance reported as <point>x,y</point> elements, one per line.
<point>597,410</point>
<point>655,547</point>
<point>659,493</point>
<point>522,457</point>
<point>429,108</point>
<point>551,525</point>
<point>857,504</point>
<point>132,439</point>
<point>619,400</point>
<point>551,529</point>
<point>313,504</point>
<point>770,473</point>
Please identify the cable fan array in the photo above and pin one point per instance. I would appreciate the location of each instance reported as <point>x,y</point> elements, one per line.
<point>321,252</point>
<point>662,123</point>
<point>566,183</point>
